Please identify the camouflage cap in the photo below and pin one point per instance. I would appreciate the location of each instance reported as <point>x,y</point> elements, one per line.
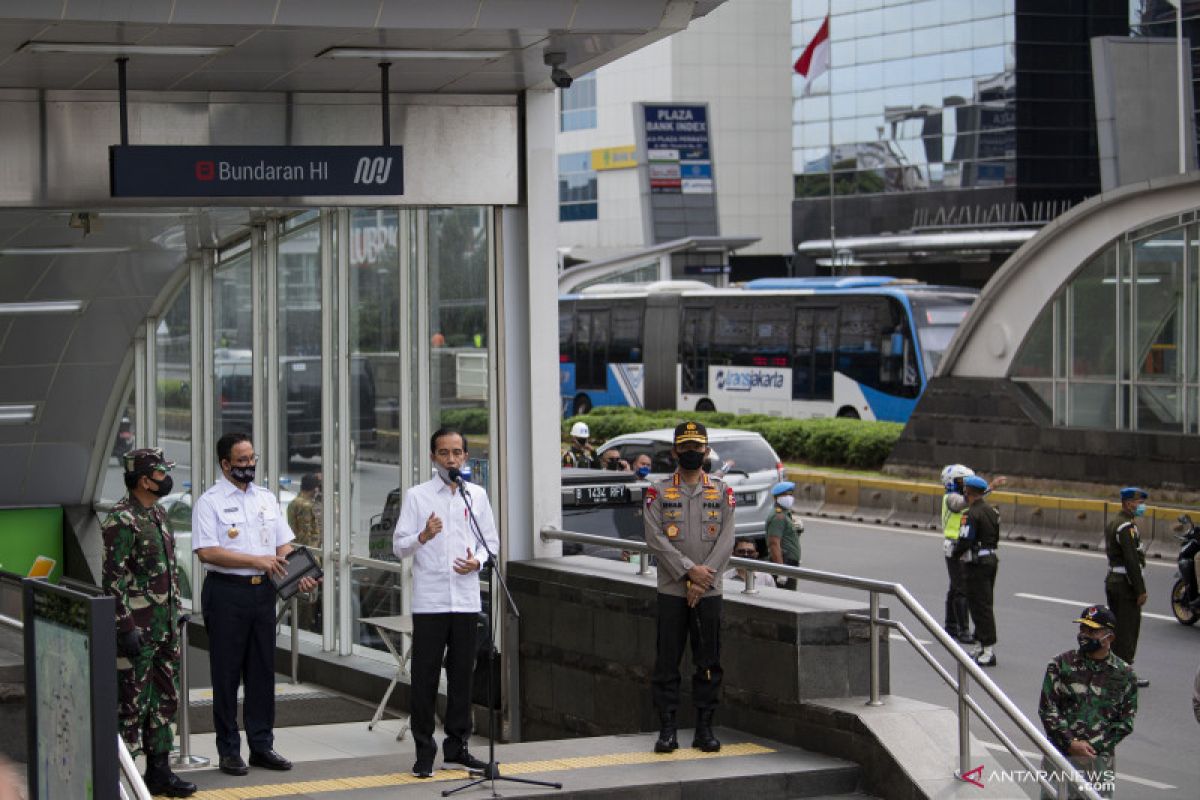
<point>146,460</point>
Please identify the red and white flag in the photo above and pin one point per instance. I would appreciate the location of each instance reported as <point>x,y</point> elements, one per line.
<point>814,61</point>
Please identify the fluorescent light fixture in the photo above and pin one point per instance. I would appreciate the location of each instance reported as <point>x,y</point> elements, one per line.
<point>383,54</point>
<point>17,413</point>
<point>116,49</point>
<point>43,307</point>
<point>61,251</point>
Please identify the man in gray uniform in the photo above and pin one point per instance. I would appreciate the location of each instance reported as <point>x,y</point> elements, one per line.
<point>689,527</point>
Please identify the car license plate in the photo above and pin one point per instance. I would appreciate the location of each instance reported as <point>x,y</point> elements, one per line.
<point>601,495</point>
<point>746,498</point>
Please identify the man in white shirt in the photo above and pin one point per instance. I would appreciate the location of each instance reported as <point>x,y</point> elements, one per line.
<point>435,529</point>
<point>242,536</point>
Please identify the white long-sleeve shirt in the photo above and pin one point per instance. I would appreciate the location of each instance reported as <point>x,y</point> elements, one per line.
<point>437,588</point>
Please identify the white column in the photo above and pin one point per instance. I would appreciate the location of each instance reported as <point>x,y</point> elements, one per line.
<point>529,305</point>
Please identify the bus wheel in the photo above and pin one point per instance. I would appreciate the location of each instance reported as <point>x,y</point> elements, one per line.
<point>705,405</point>
<point>581,406</point>
<point>848,413</point>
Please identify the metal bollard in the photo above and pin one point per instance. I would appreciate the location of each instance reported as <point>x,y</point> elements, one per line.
<point>295,638</point>
<point>964,721</point>
<point>876,629</point>
<point>185,761</point>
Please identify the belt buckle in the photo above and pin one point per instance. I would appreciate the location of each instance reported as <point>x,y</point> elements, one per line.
<point>255,580</point>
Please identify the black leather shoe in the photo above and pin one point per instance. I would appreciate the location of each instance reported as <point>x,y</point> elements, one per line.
<point>269,759</point>
<point>423,768</point>
<point>465,759</point>
<point>233,765</point>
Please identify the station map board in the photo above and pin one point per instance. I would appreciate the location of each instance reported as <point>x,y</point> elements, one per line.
<point>71,686</point>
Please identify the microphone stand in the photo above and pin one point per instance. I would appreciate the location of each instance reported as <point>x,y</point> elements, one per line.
<point>492,771</point>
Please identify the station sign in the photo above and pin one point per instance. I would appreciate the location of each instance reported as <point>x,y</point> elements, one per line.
<point>255,171</point>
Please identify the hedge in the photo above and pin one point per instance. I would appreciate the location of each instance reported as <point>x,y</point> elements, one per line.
<point>835,442</point>
<point>467,420</point>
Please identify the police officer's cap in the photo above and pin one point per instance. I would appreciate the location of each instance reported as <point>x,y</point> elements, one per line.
<point>975,482</point>
<point>782,487</point>
<point>145,460</point>
<point>1098,617</point>
<point>1130,492</point>
<point>691,432</point>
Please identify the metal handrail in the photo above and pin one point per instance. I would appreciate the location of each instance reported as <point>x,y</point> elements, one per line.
<point>968,670</point>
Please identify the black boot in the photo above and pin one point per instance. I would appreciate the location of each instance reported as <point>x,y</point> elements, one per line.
<point>704,739</point>
<point>667,741</point>
<point>160,780</point>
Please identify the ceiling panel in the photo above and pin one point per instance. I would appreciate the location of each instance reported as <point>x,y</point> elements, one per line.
<point>140,10</point>
<point>548,14</point>
<point>37,339</point>
<point>57,471</point>
<point>14,469</point>
<point>322,13</point>
<point>18,276</point>
<point>105,330</point>
<point>95,32</point>
<point>617,15</point>
<point>401,14</point>
<point>224,12</point>
<point>24,384</point>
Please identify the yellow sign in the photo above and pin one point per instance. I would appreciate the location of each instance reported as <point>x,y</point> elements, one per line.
<point>622,157</point>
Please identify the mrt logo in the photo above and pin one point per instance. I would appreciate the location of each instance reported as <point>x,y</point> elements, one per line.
<point>205,170</point>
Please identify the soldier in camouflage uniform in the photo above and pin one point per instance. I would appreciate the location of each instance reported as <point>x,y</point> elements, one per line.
<point>1089,699</point>
<point>304,518</point>
<point>140,572</point>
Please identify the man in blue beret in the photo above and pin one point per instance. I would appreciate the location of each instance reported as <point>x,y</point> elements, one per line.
<point>783,538</point>
<point>1124,586</point>
<point>977,546</point>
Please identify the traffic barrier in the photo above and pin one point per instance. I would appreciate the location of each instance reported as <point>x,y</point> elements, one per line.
<point>841,496</point>
<point>809,493</point>
<point>1033,518</point>
<point>876,501</point>
<point>918,506</point>
<point>1080,524</point>
<point>1161,536</point>
<point>1005,503</point>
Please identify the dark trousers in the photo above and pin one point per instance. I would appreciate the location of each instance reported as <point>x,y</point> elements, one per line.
<point>957,621</point>
<point>452,637</point>
<point>676,624</point>
<point>1123,603</point>
<point>240,620</point>
<point>790,583</point>
<point>980,581</point>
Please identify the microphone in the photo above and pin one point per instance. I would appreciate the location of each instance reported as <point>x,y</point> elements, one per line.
<point>455,475</point>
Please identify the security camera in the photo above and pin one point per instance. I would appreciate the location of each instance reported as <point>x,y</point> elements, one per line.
<point>559,76</point>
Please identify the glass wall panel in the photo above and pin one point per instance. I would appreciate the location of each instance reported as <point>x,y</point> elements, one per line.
<point>1036,359</point>
<point>112,485</point>
<point>298,285</point>
<point>459,242</point>
<point>1158,306</point>
<point>173,382</point>
<point>1091,405</point>
<point>1093,315</point>
<point>233,353</point>
<point>375,389</point>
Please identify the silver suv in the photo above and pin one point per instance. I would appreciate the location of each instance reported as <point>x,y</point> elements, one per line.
<point>743,459</point>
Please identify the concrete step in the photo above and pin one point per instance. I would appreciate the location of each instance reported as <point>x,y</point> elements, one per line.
<point>601,767</point>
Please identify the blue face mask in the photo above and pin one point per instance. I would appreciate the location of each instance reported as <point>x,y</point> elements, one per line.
<point>643,472</point>
<point>1140,511</point>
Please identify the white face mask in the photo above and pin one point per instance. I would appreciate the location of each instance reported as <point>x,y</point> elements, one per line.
<point>785,501</point>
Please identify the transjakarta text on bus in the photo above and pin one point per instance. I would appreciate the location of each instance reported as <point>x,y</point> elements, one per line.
<point>792,347</point>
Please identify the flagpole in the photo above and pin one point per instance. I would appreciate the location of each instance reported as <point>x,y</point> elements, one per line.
<point>832,160</point>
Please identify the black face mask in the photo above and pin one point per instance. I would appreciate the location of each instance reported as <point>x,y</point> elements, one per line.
<point>691,459</point>
<point>164,487</point>
<point>1088,645</point>
<point>242,474</point>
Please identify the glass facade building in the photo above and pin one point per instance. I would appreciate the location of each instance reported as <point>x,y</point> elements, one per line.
<point>946,114</point>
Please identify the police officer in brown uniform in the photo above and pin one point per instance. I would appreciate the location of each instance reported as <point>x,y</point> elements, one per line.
<point>1124,586</point>
<point>689,527</point>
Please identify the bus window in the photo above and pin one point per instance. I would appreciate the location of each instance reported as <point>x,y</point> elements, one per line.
<point>626,344</point>
<point>732,326</point>
<point>566,332</point>
<point>694,349</point>
<point>824,328</point>
<point>802,355</point>
<point>591,349</point>
<point>772,332</point>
